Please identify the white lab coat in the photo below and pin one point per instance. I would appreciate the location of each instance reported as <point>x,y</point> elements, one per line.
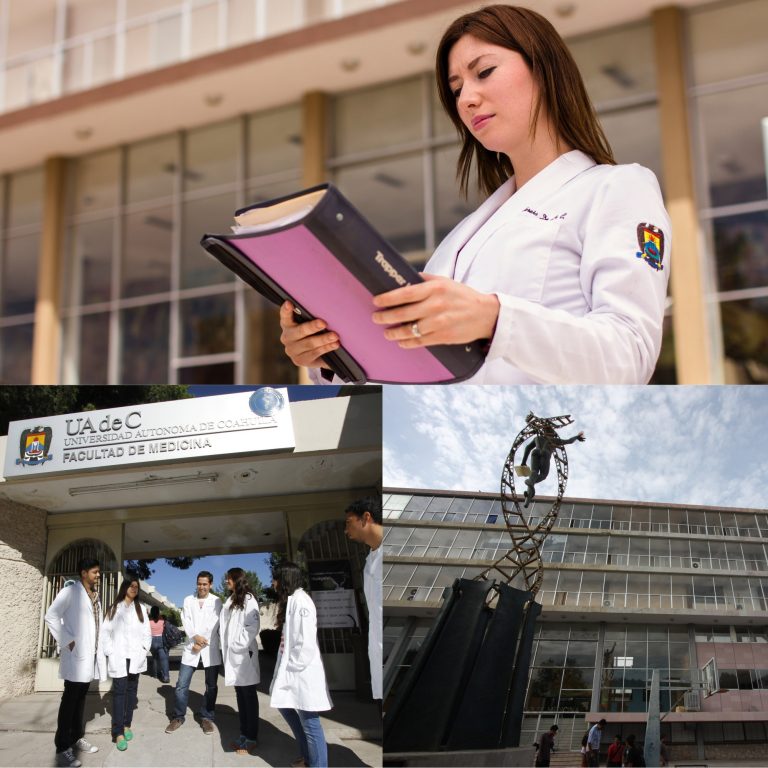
<point>578,306</point>
<point>203,622</point>
<point>69,618</point>
<point>372,574</point>
<point>238,630</point>
<point>124,638</point>
<point>299,681</point>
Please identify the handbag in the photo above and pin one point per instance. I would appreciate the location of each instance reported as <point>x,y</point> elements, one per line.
<point>172,635</point>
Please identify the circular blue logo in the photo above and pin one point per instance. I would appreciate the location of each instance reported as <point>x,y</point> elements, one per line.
<point>266,401</point>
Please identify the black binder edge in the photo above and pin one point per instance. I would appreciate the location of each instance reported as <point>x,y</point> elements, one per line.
<point>340,361</point>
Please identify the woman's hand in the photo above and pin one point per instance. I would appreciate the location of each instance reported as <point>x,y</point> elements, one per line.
<point>303,342</point>
<point>437,311</point>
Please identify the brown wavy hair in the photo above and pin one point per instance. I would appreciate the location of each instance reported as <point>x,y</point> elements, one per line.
<point>561,89</point>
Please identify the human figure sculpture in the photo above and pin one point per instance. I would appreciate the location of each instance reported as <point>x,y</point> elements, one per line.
<point>540,450</point>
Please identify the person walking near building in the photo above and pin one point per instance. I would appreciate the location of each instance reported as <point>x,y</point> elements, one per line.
<point>364,524</point>
<point>615,753</point>
<point>200,619</point>
<point>126,639</point>
<point>299,689</point>
<point>593,743</point>
<point>238,631</point>
<point>74,620</point>
<point>633,755</point>
<point>161,664</point>
<point>545,747</point>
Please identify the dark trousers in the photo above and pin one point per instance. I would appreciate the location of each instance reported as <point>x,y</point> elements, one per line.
<point>248,709</point>
<point>71,722</point>
<point>182,691</point>
<point>124,700</point>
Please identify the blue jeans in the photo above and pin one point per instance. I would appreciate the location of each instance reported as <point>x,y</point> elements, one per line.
<point>309,734</point>
<point>160,658</point>
<point>182,691</point>
<point>124,699</point>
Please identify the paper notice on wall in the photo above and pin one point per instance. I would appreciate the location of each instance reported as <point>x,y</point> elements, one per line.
<point>330,582</point>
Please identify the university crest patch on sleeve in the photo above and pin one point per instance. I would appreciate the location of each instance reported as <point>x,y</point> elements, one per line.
<point>651,242</point>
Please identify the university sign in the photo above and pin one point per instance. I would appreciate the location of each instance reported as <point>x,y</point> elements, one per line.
<point>222,425</point>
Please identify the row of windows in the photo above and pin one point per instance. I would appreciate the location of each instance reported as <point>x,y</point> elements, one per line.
<point>400,541</point>
<point>710,522</point>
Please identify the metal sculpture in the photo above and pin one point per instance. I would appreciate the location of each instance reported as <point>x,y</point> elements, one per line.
<point>528,533</point>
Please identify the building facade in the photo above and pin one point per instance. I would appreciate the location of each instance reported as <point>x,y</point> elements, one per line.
<point>195,477</point>
<point>628,588</point>
<point>128,128</point>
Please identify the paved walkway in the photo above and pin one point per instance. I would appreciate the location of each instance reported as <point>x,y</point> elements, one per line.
<point>27,724</point>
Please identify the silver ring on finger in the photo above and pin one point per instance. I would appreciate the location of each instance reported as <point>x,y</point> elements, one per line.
<point>415,332</point>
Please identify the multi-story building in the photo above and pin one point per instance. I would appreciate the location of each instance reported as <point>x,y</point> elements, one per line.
<point>628,587</point>
<point>128,128</point>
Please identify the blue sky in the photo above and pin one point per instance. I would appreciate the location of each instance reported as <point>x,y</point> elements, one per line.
<point>694,445</point>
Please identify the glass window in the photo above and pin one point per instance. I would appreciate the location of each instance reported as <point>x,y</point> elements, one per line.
<point>90,262</point>
<point>207,325</point>
<point>212,156</point>
<point>450,206</point>
<point>218,373</point>
<point>383,116</point>
<point>93,348</point>
<point>274,141</point>
<point>152,167</point>
<point>390,194</point>
<point>146,259</point>
<point>16,354</point>
<point>745,339</point>
<point>212,214</point>
<point>609,67</point>
<point>741,251</point>
<point>18,279</point>
<point>581,653</point>
<point>144,344</point>
<point>25,198</point>
<point>96,182</point>
<point>634,136</point>
<point>727,41</point>
<point>734,145</point>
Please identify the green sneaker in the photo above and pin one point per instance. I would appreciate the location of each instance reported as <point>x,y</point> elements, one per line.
<point>128,733</point>
<point>121,743</point>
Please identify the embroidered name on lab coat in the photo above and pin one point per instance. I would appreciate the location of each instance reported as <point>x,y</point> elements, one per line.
<point>544,216</point>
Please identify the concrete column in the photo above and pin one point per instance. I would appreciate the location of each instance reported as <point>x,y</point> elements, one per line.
<point>46,340</point>
<point>22,562</point>
<point>695,354</point>
<point>315,144</point>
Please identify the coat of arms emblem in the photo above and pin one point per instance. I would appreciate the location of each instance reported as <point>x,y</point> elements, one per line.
<point>34,446</point>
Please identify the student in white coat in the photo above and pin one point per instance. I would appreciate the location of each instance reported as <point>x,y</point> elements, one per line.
<point>200,619</point>
<point>364,524</point>
<point>238,630</point>
<point>299,689</point>
<point>562,272</point>
<point>126,639</point>
<point>73,620</point>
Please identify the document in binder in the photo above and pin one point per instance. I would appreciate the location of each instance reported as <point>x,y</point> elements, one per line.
<point>314,249</point>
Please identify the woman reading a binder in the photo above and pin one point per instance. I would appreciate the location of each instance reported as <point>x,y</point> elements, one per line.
<point>563,270</point>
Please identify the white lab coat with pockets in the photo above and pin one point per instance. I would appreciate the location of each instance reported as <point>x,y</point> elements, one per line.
<point>204,622</point>
<point>69,618</point>
<point>124,638</point>
<point>299,681</point>
<point>238,631</point>
<point>372,578</point>
<point>580,304</point>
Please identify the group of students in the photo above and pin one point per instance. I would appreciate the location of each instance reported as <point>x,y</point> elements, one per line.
<point>115,643</point>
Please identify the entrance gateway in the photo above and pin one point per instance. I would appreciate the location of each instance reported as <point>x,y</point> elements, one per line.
<point>236,473</point>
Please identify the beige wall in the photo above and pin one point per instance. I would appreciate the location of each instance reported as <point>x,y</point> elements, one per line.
<point>22,563</point>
